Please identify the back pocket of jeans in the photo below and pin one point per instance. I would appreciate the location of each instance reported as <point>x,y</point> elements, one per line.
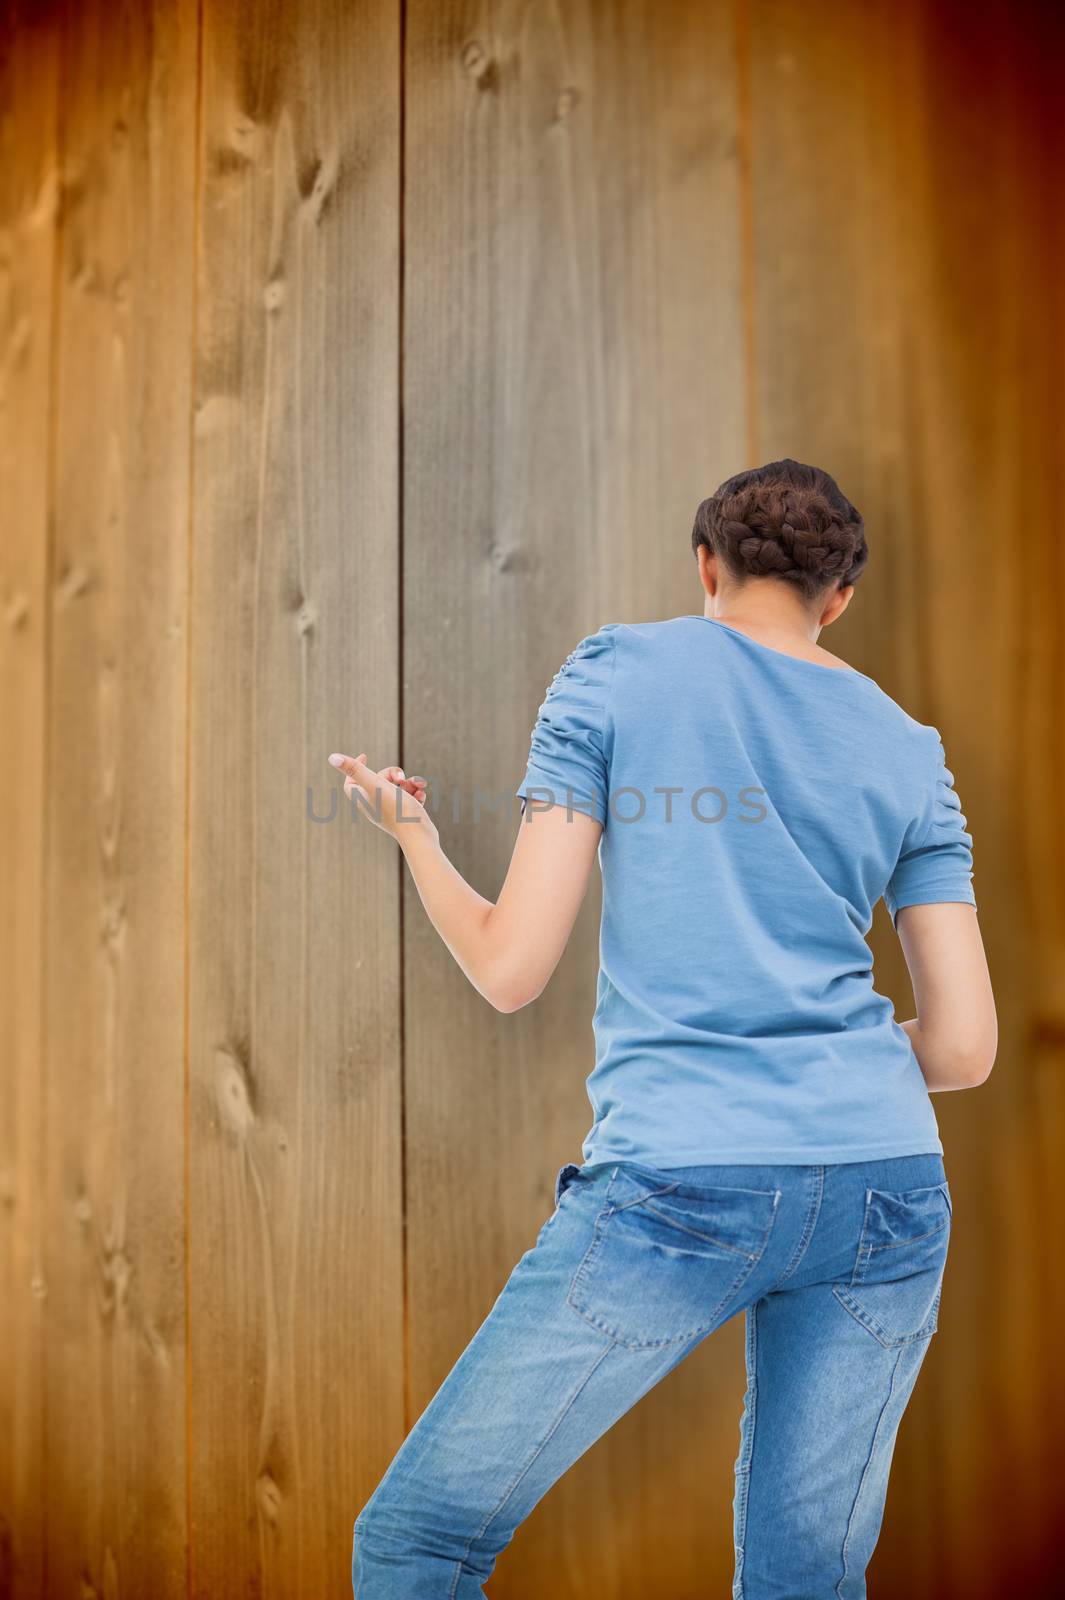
<point>667,1261</point>
<point>897,1280</point>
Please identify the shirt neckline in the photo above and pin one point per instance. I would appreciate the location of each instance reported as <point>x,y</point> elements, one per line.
<point>819,666</point>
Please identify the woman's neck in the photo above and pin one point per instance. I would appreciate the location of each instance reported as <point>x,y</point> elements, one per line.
<point>779,623</point>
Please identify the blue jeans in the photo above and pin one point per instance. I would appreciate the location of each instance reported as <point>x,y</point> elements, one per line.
<point>839,1270</point>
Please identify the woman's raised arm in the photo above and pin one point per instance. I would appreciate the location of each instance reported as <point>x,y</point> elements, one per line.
<point>510,947</point>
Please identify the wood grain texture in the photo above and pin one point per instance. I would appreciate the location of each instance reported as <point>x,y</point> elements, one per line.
<point>574,385</point>
<point>115,1334</point>
<point>313,436</point>
<point>29,76</point>
<point>295,1176</point>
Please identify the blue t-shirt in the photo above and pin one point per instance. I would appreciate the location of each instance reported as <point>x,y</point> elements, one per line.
<point>756,806</point>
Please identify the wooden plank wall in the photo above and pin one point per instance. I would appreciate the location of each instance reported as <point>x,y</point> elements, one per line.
<point>114,1347</point>
<point>29,58</point>
<point>355,360</point>
<point>295,1198</point>
<point>215,1092</point>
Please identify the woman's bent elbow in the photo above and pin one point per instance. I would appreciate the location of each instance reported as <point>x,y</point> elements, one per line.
<point>512,1002</point>
<point>510,994</point>
<point>972,1067</point>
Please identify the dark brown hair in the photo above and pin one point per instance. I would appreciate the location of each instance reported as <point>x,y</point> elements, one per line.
<point>784,520</point>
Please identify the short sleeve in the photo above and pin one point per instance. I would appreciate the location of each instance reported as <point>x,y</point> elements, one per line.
<point>569,755</point>
<point>938,865</point>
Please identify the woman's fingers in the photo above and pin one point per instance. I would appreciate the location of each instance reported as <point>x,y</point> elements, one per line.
<point>358,775</point>
<point>413,786</point>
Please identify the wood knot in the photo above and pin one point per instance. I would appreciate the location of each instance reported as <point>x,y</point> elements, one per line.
<point>113,924</point>
<point>240,146</point>
<point>478,65</point>
<point>233,1093</point>
<point>156,1343</point>
<point>16,610</point>
<point>118,1274</point>
<point>268,1496</point>
<point>316,182</point>
<point>308,175</point>
<point>274,295</point>
<point>507,558</point>
<point>74,581</point>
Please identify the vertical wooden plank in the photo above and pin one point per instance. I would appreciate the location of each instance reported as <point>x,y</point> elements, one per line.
<point>115,1339</point>
<point>1037,276</point>
<point>295,1118</point>
<point>29,68</point>
<point>574,385</point>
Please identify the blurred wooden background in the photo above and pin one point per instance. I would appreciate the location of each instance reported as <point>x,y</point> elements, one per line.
<point>355,361</point>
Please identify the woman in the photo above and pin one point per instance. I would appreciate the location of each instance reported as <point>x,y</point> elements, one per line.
<point>763,1139</point>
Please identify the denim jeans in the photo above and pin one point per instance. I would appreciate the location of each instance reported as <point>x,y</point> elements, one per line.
<point>838,1269</point>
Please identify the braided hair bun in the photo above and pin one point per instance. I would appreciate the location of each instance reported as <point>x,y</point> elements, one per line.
<point>784,520</point>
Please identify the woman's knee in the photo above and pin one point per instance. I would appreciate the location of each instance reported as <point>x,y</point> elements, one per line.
<point>399,1551</point>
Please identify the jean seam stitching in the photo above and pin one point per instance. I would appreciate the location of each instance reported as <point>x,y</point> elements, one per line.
<point>624,1206</point>
<point>865,1473</point>
<point>808,1229</point>
<point>900,1244</point>
<point>864,1245</point>
<point>708,1238</point>
<point>548,1436</point>
<point>873,1325</point>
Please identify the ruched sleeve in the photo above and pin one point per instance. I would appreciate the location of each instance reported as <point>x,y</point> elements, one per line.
<point>938,864</point>
<point>569,757</point>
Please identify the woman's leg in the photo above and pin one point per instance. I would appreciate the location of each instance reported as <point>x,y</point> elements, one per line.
<point>831,1365</point>
<point>536,1386</point>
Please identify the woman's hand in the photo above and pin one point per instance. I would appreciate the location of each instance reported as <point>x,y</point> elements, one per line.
<point>382,792</point>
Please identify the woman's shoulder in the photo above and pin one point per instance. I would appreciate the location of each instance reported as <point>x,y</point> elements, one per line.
<point>596,653</point>
<point>586,673</point>
<point>628,635</point>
